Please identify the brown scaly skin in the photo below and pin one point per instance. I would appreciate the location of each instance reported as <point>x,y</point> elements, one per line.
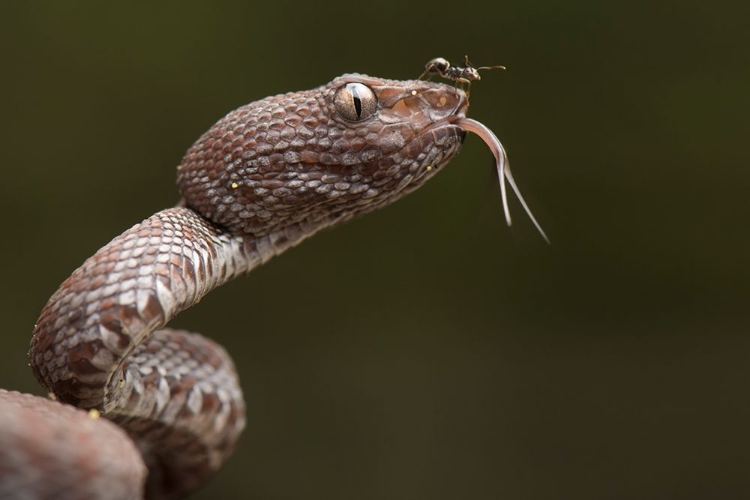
<point>293,158</point>
<point>261,180</point>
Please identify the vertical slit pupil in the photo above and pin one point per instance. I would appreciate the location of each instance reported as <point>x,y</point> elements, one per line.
<point>357,100</point>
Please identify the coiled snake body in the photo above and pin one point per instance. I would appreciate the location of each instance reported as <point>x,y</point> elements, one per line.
<point>261,180</point>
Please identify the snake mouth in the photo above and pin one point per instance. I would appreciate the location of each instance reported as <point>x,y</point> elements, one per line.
<point>429,151</point>
<point>445,136</point>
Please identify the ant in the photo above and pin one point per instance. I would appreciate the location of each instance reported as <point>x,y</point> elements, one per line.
<point>465,75</point>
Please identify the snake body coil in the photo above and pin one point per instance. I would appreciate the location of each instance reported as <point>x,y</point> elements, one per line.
<point>261,180</point>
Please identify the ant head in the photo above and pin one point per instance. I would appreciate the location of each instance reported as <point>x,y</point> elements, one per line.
<point>471,73</point>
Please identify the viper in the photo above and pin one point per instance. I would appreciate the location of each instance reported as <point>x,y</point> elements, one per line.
<point>261,180</point>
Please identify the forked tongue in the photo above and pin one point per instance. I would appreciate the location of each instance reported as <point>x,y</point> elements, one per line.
<point>503,169</point>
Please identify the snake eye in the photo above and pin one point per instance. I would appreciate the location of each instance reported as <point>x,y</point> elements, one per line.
<point>355,102</point>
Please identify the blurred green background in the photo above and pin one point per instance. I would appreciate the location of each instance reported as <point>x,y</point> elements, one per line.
<point>427,351</point>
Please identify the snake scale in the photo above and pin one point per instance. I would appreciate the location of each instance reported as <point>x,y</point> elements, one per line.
<point>261,180</point>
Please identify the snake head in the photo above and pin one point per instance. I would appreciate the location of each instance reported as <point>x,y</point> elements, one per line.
<point>323,155</point>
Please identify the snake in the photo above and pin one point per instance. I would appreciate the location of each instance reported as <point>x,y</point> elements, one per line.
<point>137,410</point>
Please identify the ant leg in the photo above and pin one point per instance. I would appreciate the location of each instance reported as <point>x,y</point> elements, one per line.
<point>465,86</point>
<point>427,70</point>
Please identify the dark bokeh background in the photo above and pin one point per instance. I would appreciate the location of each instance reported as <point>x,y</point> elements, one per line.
<point>427,351</point>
